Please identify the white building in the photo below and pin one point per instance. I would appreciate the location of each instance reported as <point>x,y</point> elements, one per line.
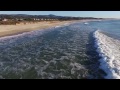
<point>5,20</point>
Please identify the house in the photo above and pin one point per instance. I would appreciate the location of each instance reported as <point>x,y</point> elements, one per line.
<point>5,19</point>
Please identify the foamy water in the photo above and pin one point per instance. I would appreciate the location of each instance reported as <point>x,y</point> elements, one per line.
<point>65,51</point>
<point>59,52</point>
<point>109,49</point>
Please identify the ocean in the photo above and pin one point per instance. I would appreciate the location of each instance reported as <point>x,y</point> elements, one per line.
<point>80,50</point>
<point>108,46</point>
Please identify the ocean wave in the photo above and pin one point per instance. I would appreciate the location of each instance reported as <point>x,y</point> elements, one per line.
<point>109,51</point>
<point>86,23</point>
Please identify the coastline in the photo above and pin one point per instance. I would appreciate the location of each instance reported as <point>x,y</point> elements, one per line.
<point>8,30</point>
<point>68,48</point>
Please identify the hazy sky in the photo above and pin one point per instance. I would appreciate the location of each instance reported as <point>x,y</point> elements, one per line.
<point>102,14</point>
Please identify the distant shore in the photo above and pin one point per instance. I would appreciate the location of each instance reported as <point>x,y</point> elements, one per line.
<point>8,30</point>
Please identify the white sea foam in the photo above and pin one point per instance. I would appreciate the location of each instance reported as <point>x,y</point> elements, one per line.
<point>29,34</point>
<point>109,50</point>
<point>57,26</point>
<point>66,24</point>
<point>13,38</point>
<point>86,23</point>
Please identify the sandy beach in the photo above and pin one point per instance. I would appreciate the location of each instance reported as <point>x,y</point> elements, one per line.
<point>6,30</point>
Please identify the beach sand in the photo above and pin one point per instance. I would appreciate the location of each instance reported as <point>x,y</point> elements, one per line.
<point>7,30</point>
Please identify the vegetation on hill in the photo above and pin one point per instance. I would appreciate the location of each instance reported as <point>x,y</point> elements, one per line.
<point>17,18</point>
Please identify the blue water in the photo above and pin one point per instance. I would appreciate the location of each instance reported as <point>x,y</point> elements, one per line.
<point>66,52</point>
<point>107,37</point>
<point>111,27</point>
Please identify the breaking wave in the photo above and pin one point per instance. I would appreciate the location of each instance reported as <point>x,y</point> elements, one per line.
<point>109,51</point>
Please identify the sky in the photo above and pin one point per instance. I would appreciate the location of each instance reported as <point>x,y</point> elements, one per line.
<point>97,14</point>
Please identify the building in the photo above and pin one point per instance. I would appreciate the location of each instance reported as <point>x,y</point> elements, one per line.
<point>5,19</point>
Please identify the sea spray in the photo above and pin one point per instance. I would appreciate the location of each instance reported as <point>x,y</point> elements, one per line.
<point>108,49</point>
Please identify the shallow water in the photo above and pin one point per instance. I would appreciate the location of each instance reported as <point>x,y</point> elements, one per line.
<point>66,52</point>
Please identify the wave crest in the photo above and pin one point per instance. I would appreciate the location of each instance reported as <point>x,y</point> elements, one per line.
<point>109,51</point>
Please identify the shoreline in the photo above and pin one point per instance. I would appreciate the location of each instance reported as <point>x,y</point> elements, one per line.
<point>9,30</point>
